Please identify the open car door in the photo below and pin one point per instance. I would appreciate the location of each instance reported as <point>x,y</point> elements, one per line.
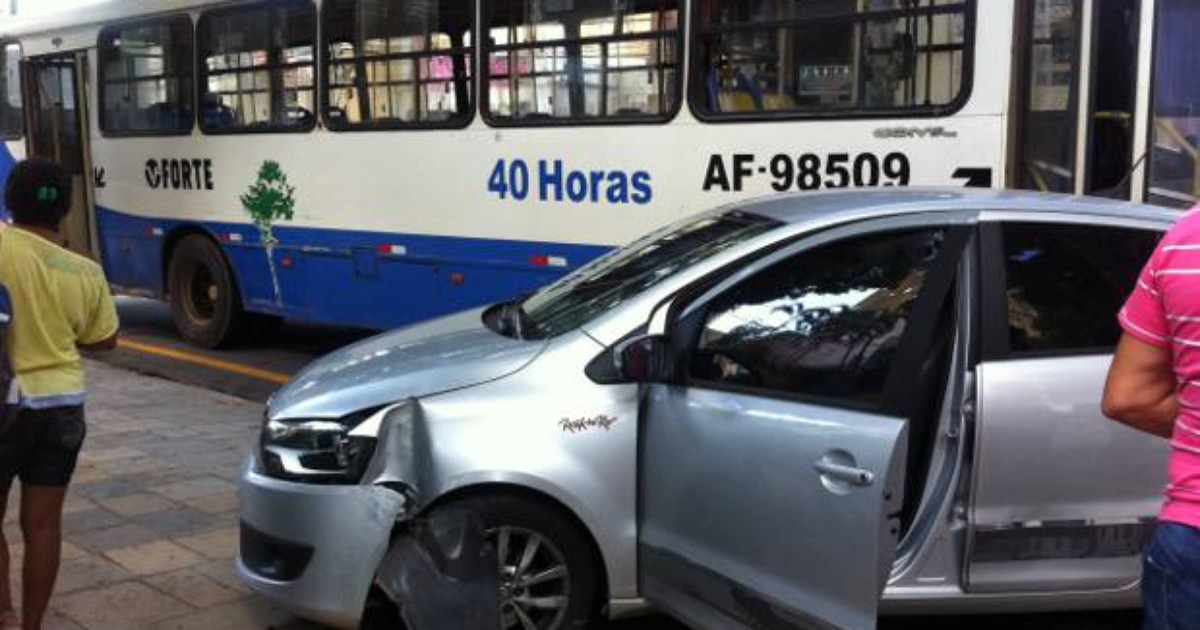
<point>773,444</point>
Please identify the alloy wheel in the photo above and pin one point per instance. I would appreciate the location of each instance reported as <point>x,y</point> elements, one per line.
<point>535,584</point>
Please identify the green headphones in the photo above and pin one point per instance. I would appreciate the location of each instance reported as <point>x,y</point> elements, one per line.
<point>47,194</point>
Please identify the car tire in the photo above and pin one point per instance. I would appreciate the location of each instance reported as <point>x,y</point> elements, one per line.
<point>561,542</point>
<point>205,304</point>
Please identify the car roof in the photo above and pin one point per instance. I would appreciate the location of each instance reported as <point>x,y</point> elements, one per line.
<point>798,208</point>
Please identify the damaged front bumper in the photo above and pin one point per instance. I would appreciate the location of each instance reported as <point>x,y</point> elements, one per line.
<point>314,549</point>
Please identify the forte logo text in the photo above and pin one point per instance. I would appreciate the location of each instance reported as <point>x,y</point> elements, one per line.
<point>179,174</point>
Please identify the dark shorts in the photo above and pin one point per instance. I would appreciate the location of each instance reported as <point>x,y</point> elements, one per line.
<point>42,446</point>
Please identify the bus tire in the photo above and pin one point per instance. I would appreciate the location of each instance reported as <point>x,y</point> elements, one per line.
<point>205,304</point>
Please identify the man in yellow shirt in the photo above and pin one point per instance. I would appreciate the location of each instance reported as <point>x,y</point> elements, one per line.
<point>61,304</point>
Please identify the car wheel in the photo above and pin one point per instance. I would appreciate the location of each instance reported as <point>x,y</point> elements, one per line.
<point>205,304</point>
<point>548,576</point>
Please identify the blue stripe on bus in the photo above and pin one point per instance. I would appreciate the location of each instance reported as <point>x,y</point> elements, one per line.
<point>7,162</point>
<point>341,276</point>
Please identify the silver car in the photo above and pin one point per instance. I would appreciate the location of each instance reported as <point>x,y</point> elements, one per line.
<point>804,411</point>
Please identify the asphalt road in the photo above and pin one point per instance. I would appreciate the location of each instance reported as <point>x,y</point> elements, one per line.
<point>253,370</point>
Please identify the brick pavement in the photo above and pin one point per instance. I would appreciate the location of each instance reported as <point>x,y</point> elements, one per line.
<point>151,518</point>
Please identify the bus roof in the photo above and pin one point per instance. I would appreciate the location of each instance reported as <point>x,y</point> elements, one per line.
<point>96,13</point>
<point>848,205</point>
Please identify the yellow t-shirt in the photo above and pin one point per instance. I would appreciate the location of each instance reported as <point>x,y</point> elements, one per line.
<point>60,299</point>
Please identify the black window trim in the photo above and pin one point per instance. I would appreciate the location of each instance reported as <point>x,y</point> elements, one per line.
<point>484,49</point>
<point>103,85</point>
<point>993,307</point>
<point>462,121</point>
<point>202,74</point>
<point>20,134</point>
<point>966,88</point>
<point>689,324</point>
<point>995,346</point>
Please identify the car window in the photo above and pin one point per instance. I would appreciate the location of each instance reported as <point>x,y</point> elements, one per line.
<point>825,323</point>
<point>625,273</point>
<point>1065,284</point>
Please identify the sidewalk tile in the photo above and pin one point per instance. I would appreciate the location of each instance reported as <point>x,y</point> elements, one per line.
<point>86,573</point>
<point>90,520</point>
<point>182,521</point>
<point>192,488</point>
<point>72,551</point>
<point>119,537</point>
<point>245,614</point>
<point>16,550</point>
<point>194,588</point>
<point>55,622</point>
<point>125,605</point>
<point>86,473</point>
<point>137,504</point>
<point>135,466</point>
<point>154,557</point>
<point>215,503</point>
<point>221,544</point>
<point>96,456</point>
<point>223,571</point>
<point>106,488</point>
<point>75,503</point>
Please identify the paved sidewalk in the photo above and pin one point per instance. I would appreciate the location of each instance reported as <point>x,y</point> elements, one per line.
<point>151,523</point>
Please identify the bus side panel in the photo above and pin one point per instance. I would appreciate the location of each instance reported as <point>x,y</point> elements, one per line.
<point>346,277</point>
<point>10,154</point>
<point>130,253</point>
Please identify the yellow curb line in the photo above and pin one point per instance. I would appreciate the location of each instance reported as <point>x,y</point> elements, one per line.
<point>216,364</point>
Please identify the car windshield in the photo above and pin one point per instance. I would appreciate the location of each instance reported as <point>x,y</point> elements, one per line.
<point>626,272</point>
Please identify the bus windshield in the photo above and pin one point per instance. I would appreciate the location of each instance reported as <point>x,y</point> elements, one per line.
<point>624,273</point>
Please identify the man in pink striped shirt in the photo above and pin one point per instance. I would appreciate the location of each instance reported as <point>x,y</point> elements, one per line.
<point>1154,385</point>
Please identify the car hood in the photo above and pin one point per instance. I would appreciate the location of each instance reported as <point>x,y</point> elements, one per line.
<point>436,356</point>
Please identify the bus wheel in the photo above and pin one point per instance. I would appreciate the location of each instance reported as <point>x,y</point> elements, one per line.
<point>205,304</point>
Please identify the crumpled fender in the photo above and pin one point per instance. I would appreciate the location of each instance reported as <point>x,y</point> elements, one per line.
<point>403,458</point>
<point>441,573</point>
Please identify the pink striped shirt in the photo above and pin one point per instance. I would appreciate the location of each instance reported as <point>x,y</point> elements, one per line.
<point>1164,310</point>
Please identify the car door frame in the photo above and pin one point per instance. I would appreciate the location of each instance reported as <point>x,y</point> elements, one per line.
<point>688,307</point>
<point>1010,562</point>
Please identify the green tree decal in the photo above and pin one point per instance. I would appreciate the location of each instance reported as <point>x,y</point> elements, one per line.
<point>270,199</point>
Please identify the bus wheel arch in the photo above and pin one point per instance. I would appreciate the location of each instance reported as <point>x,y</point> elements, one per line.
<point>203,292</point>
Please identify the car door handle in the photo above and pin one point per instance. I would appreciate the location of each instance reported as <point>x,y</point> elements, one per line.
<point>847,474</point>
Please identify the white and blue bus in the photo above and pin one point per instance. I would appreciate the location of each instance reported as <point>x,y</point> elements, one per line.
<point>377,162</point>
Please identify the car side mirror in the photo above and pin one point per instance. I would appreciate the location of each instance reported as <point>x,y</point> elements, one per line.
<point>641,359</point>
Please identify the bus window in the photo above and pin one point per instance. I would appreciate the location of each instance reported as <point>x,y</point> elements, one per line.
<point>1175,135</point>
<point>397,63</point>
<point>11,108</point>
<point>1051,96</point>
<point>829,57</point>
<point>257,68</point>
<point>146,78</point>
<point>581,61</point>
<point>1114,83</point>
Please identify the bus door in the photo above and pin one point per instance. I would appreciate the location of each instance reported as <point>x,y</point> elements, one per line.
<point>1076,88</point>
<point>57,120</point>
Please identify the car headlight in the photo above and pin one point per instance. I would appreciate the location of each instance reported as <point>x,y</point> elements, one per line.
<point>318,450</point>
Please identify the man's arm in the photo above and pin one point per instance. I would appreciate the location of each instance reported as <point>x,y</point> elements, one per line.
<point>100,346</point>
<point>100,326</point>
<point>1141,388</point>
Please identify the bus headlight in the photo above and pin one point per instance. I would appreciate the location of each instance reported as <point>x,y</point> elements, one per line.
<point>316,451</point>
